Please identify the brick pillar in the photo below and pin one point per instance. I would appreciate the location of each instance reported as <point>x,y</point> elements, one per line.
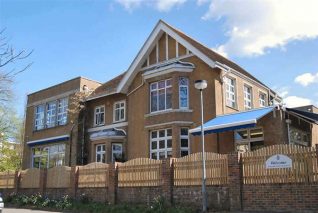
<point>167,180</point>
<point>112,183</point>
<point>43,176</point>
<point>17,181</point>
<point>235,181</point>
<point>73,181</point>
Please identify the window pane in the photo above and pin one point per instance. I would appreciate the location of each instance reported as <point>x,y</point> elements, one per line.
<point>184,143</point>
<point>162,144</point>
<point>184,131</point>
<point>256,133</point>
<point>154,103</point>
<point>154,134</point>
<point>183,97</point>
<point>184,153</point>
<point>169,132</point>
<point>162,155</point>
<point>169,98</point>
<point>161,84</point>
<point>168,82</point>
<point>240,135</point>
<point>162,99</point>
<point>116,147</point>
<point>169,143</point>
<point>154,155</point>
<point>154,145</point>
<point>153,86</point>
<point>169,154</point>
<point>161,133</point>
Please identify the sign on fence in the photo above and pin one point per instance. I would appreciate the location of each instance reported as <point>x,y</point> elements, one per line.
<point>278,161</point>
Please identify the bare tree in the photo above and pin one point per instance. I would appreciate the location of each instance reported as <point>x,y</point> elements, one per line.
<point>9,57</point>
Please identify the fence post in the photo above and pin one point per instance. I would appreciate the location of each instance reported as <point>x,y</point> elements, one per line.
<point>43,180</point>
<point>167,179</point>
<point>112,183</point>
<point>234,169</point>
<point>17,182</point>
<point>73,181</point>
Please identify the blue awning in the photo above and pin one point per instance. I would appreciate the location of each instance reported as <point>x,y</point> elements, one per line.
<point>48,140</point>
<point>228,122</point>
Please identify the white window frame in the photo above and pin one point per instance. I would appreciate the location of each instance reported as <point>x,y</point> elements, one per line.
<point>62,106</point>
<point>102,152</point>
<point>157,139</point>
<point>39,123</point>
<point>187,137</point>
<point>51,114</point>
<point>157,90</point>
<point>247,100</point>
<point>187,88</point>
<point>49,154</point>
<point>248,140</point>
<point>262,102</point>
<point>116,152</point>
<point>120,108</point>
<point>99,108</point>
<point>228,93</point>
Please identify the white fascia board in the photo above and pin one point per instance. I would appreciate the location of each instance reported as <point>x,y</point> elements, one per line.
<point>150,41</point>
<point>48,139</point>
<point>221,126</point>
<point>115,125</point>
<point>165,70</point>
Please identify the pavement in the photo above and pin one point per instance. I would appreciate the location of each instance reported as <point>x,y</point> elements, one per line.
<point>12,210</point>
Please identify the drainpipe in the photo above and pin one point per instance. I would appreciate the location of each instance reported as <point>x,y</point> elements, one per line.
<point>288,122</point>
<point>142,83</point>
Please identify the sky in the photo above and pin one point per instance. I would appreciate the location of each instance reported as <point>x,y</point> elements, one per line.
<point>276,41</point>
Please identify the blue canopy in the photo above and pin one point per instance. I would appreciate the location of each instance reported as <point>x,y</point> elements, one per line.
<point>228,122</point>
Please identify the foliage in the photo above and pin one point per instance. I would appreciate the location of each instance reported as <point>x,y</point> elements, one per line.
<point>65,203</point>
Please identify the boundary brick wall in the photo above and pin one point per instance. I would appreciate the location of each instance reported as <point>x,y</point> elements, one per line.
<point>234,196</point>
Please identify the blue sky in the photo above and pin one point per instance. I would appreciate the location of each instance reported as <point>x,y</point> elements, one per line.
<point>98,39</point>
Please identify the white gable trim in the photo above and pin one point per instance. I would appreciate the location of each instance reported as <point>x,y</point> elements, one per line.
<point>151,42</point>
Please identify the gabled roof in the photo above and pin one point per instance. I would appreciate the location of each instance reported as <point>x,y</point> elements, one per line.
<point>204,53</point>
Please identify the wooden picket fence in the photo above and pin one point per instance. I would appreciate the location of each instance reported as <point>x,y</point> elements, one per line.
<point>93,175</point>
<point>58,177</point>
<point>30,178</point>
<point>139,172</point>
<point>188,170</point>
<point>304,165</point>
<point>7,179</point>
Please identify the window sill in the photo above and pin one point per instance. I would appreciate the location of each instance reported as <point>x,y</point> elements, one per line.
<point>52,127</point>
<point>120,121</point>
<point>234,108</point>
<point>167,111</point>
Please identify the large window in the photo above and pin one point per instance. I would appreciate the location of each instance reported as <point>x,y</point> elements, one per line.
<point>160,95</point>
<point>39,117</point>
<point>161,144</point>
<point>230,92</point>
<point>117,152</point>
<point>50,114</point>
<point>247,97</point>
<point>184,142</point>
<point>101,153</point>
<point>262,99</point>
<point>119,111</point>
<point>299,137</point>
<point>62,111</point>
<point>249,139</point>
<point>183,92</point>
<point>99,117</point>
<point>49,156</point>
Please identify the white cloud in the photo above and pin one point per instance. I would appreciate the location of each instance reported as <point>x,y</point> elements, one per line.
<point>295,101</point>
<point>160,5</point>
<point>254,26</point>
<point>307,78</point>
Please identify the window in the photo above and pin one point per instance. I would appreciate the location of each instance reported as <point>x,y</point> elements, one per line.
<point>230,92</point>
<point>47,157</point>
<point>50,114</point>
<point>62,111</point>
<point>299,137</point>
<point>39,117</point>
<point>119,111</point>
<point>183,92</point>
<point>247,97</point>
<point>262,99</point>
<point>249,139</point>
<point>160,95</point>
<point>99,117</point>
<point>184,142</point>
<point>101,153</point>
<point>117,152</point>
<point>161,144</point>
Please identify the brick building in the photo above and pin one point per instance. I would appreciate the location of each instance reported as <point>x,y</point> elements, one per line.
<point>148,110</point>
